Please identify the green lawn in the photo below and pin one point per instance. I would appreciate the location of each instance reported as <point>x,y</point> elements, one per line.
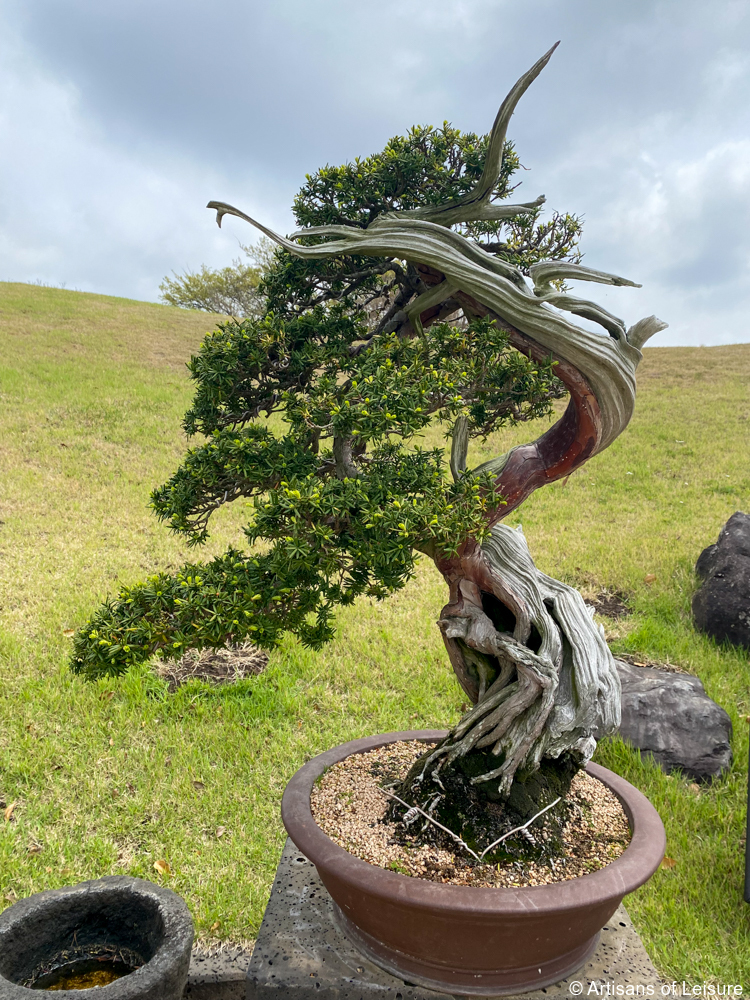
<point>114,776</point>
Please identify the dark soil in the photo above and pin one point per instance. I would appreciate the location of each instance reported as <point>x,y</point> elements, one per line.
<point>611,604</point>
<point>215,666</point>
<point>479,815</point>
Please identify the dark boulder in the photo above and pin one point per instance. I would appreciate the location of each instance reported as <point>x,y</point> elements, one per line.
<point>669,716</point>
<point>721,607</point>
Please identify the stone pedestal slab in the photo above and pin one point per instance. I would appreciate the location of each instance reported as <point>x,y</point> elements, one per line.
<point>301,953</point>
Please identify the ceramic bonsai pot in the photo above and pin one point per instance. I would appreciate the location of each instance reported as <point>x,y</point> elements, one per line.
<point>465,940</point>
<point>126,920</point>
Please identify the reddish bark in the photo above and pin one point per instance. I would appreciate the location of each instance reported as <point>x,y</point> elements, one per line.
<point>567,444</point>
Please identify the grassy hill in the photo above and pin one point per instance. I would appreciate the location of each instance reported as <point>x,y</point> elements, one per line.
<point>114,776</point>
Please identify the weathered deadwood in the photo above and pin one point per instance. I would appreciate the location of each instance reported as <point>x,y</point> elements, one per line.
<point>533,701</point>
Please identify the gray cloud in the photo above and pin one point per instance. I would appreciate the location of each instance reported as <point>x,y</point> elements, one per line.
<point>120,121</point>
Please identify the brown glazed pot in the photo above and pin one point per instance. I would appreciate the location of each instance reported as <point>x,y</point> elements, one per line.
<point>464,940</point>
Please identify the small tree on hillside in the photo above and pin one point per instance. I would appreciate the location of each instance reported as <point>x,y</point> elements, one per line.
<point>413,293</point>
<point>230,291</point>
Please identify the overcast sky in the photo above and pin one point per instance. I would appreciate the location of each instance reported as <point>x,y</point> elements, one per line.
<point>119,121</point>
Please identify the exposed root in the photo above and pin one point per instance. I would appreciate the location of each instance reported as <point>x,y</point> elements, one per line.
<point>527,651</point>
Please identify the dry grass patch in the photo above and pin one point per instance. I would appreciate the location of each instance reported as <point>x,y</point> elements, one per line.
<point>232,663</point>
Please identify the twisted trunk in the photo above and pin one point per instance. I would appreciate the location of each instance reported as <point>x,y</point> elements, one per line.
<point>525,649</point>
<point>527,653</point>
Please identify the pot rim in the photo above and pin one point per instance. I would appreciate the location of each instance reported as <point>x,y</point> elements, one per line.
<point>636,864</point>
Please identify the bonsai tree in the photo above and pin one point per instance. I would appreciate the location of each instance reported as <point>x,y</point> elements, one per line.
<point>413,293</point>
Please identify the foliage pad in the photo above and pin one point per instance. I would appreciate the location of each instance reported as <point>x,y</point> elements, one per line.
<point>311,412</point>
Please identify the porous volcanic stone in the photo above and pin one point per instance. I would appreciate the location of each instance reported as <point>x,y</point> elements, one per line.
<point>670,716</point>
<point>219,975</point>
<point>302,954</point>
<point>119,911</point>
<point>721,607</point>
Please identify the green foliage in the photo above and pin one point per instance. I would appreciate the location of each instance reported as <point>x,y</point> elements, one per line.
<point>230,291</point>
<point>331,542</point>
<point>341,496</point>
<point>244,369</point>
<point>305,369</point>
<point>426,167</point>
